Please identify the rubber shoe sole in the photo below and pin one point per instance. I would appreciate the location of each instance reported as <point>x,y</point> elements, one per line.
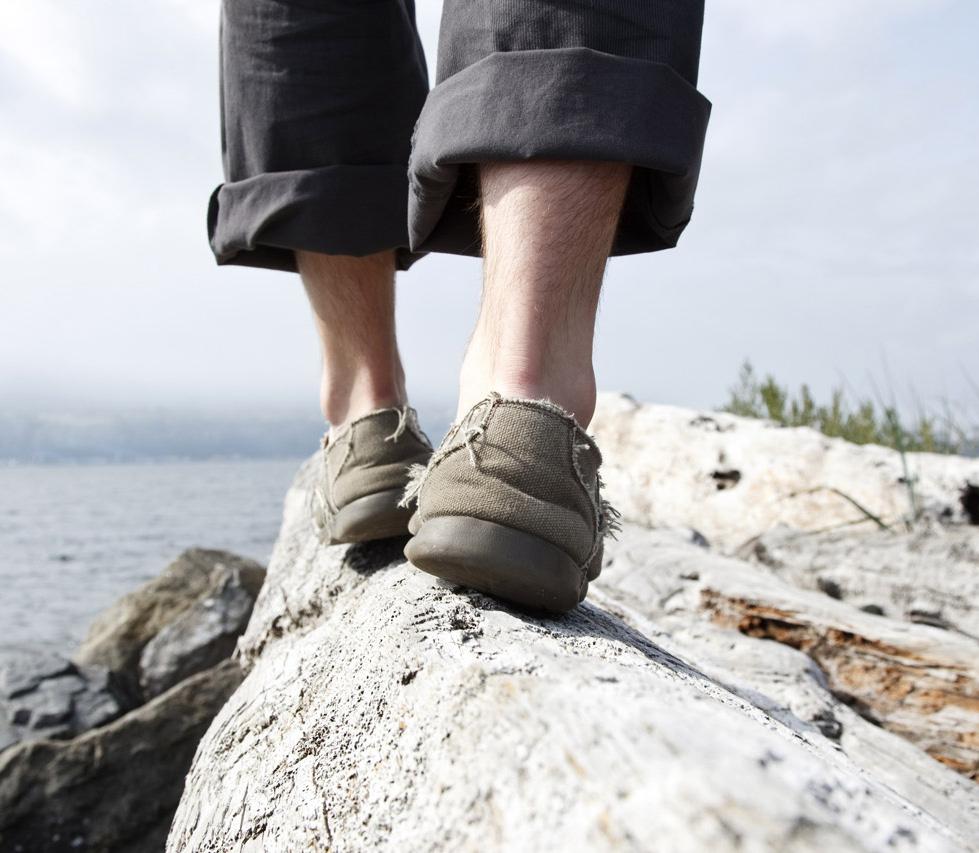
<point>376,516</point>
<point>500,561</point>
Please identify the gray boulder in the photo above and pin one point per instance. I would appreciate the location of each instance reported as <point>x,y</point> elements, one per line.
<point>114,788</point>
<point>118,636</point>
<point>43,695</point>
<point>201,636</point>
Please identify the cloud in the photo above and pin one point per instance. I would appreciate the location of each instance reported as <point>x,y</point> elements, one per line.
<point>40,39</point>
<point>201,14</point>
<point>113,120</point>
<point>823,23</point>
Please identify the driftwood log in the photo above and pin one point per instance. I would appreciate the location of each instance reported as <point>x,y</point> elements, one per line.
<point>698,701</point>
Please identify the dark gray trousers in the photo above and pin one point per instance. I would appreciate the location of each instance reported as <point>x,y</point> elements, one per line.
<point>332,142</point>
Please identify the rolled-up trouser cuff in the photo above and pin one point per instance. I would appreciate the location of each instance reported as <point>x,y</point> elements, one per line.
<point>337,210</point>
<point>558,104</point>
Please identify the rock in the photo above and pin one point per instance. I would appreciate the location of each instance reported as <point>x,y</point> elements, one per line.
<point>201,636</point>
<point>116,783</point>
<point>118,636</point>
<point>385,711</point>
<point>43,695</point>
<point>872,674</point>
<point>114,788</point>
<point>735,478</point>
<point>22,671</point>
<point>930,575</point>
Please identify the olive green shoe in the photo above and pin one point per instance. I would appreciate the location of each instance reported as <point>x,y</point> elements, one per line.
<point>365,470</point>
<point>511,505</point>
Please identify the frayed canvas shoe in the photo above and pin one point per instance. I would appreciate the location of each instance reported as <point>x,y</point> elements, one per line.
<point>510,504</point>
<point>365,471</point>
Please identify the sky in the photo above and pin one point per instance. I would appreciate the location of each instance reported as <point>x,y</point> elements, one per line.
<point>835,237</point>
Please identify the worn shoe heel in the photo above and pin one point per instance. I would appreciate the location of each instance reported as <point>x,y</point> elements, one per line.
<point>376,516</point>
<point>500,561</point>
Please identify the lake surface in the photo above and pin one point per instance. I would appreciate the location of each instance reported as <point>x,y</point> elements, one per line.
<point>73,538</point>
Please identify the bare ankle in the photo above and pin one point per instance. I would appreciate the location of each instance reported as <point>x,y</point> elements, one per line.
<point>568,381</point>
<point>353,308</point>
<point>576,396</point>
<point>342,401</point>
<point>548,228</point>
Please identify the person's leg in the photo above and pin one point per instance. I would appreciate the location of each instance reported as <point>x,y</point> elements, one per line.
<point>353,309</point>
<point>318,102</point>
<point>552,94</point>
<point>547,231</point>
<point>374,435</point>
<point>511,502</point>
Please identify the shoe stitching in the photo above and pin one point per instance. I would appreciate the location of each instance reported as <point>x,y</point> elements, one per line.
<point>576,448</point>
<point>402,423</point>
<point>470,440</point>
<point>408,419</point>
<point>331,482</point>
<point>418,474</point>
<point>415,428</point>
<point>373,414</point>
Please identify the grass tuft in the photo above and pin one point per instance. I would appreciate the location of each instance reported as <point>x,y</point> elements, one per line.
<point>862,422</point>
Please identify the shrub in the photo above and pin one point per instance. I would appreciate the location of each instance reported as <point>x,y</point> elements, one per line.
<point>862,423</point>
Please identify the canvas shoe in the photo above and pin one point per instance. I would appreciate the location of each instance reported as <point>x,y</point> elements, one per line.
<point>510,504</point>
<point>365,470</point>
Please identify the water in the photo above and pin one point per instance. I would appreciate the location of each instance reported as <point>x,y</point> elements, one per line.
<point>73,538</point>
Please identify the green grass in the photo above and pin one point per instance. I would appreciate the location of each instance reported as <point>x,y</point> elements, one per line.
<point>862,422</point>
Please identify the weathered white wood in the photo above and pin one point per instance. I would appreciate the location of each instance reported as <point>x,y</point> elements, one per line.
<point>660,583</point>
<point>384,711</point>
<point>929,576</point>
<point>735,478</point>
<point>918,680</point>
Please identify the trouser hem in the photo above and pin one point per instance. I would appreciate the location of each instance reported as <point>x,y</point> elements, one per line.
<point>558,104</point>
<point>336,210</point>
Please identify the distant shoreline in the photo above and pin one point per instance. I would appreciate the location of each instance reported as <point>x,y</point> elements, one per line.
<point>112,438</point>
<point>87,462</point>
